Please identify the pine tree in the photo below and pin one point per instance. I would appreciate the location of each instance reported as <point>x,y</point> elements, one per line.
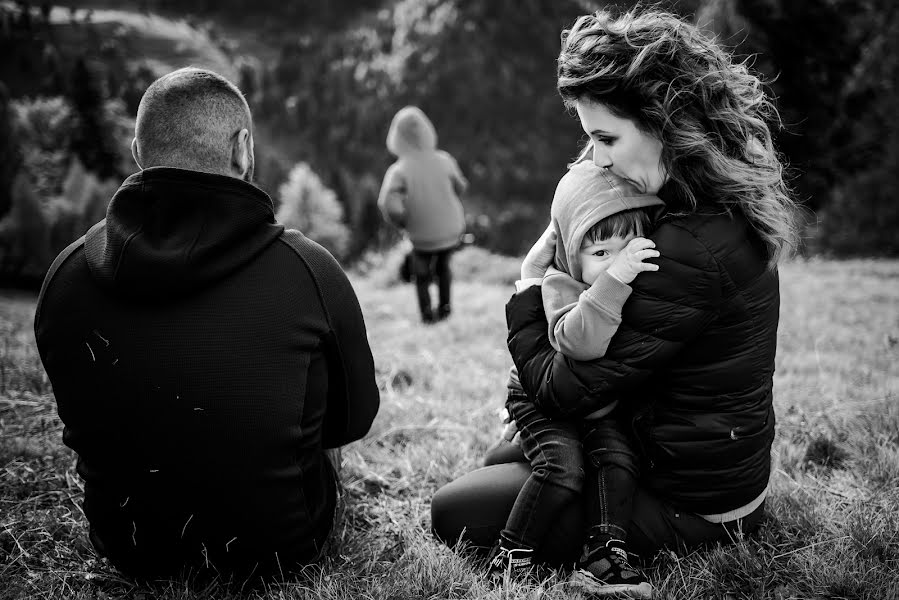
<point>10,153</point>
<point>91,142</point>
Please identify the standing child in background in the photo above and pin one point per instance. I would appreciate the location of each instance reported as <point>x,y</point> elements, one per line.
<point>597,222</point>
<point>420,194</point>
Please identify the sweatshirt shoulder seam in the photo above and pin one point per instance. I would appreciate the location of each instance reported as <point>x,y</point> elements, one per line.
<point>285,239</point>
<point>62,258</point>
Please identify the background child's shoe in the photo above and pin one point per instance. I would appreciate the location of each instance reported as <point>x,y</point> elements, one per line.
<point>604,572</point>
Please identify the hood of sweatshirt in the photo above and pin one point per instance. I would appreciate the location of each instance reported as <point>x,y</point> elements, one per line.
<point>586,195</point>
<point>411,131</point>
<point>170,232</point>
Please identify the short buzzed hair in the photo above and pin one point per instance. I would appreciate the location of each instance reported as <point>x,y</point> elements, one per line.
<point>188,119</point>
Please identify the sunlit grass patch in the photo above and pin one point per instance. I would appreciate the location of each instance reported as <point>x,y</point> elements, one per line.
<point>832,529</point>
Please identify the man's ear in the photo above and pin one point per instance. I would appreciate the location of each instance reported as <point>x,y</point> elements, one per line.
<point>242,154</point>
<point>134,153</point>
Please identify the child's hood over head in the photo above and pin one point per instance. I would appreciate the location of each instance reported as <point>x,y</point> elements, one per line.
<point>586,195</point>
<point>411,131</point>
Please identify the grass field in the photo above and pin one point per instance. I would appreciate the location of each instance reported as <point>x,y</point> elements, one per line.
<point>833,525</point>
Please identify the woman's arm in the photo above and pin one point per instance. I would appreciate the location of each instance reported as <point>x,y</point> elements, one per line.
<point>666,310</point>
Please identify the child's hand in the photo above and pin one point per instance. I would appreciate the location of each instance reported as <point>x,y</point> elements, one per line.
<point>540,256</point>
<point>510,431</point>
<point>629,262</point>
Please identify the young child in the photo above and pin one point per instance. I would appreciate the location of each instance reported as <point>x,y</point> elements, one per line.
<point>597,221</point>
<point>420,193</point>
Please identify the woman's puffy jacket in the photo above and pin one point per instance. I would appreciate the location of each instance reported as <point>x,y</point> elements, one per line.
<point>693,360</point>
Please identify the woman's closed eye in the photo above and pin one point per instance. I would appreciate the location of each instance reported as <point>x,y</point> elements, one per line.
<point>603,139</point>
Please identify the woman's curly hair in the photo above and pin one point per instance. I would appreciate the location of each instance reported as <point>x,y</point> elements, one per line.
<point>710,113</point>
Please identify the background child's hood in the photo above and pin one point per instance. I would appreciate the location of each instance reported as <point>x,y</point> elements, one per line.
<point>411,131</point>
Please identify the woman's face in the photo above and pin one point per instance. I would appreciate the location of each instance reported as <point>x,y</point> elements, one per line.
<point>621,147</point>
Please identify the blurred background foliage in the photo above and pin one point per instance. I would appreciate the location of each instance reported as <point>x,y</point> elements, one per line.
<point>324,78</point>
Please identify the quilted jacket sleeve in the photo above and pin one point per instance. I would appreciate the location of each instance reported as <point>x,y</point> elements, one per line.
<point>667,309</point>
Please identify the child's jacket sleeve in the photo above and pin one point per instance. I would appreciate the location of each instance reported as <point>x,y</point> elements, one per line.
<point>457,179</point>
<point>392,197</point>
<point>582,319</point>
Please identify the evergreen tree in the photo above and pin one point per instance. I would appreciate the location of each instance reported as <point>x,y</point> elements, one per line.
<point>10,153</point>
<point>91,142</point>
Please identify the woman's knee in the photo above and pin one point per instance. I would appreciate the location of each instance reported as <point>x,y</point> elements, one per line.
<point>504,452</point>
<point>474,507</point>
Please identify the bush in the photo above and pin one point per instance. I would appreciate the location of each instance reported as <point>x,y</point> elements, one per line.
<point>306,204</point>
<point>53,199</point>
<point>44,128</point>
<point>24,236</point>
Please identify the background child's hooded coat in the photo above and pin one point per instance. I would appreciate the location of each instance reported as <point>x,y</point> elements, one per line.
<point>420,192</point>
<point>586,195</point>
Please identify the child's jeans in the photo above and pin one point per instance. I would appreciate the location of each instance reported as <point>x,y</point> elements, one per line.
<point>553,447</point>
<point>609,446</point>
<point>425,267</point>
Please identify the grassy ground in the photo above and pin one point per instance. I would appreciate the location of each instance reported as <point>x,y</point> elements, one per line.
<point>833,526</point>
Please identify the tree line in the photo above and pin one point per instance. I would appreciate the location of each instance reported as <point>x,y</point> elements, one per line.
<point>485,74</point>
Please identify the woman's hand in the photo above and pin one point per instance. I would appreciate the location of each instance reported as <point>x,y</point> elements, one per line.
<point>540,257</point>
<point>629,262</point>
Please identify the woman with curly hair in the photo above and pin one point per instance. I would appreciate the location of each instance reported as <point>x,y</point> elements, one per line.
<point>669,112</point>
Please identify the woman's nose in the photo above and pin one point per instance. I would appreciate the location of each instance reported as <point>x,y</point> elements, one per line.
<point>601,159</point>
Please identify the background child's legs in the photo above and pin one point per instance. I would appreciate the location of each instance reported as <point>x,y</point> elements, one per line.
<point>609,445</point>
<point>444,281</point>
<point>554,450</point>
<point>422,273</point>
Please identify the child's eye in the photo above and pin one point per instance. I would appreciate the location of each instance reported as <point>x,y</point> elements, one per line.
<point>601,253</point>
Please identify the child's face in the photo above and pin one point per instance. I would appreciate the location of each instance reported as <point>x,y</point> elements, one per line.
<point>597,257</point>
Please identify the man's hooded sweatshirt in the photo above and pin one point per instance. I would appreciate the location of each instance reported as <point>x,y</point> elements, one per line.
<point>583,318</point>
<point>420,191</point>
<point>202,358</point>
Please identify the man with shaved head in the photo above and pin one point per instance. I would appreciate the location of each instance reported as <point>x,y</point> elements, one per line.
<point>194,119</point>
<point>203,357</point>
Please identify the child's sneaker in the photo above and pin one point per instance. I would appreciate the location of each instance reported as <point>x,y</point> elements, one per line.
<point>606,572</point>
<point>514,561</point>
<point>443,312</point>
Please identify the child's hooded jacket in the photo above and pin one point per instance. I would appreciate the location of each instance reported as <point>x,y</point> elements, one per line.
<point>420,192</point>
<point>583,318</point>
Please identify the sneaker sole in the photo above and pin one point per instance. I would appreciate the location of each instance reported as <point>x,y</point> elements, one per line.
<point>622,590</point>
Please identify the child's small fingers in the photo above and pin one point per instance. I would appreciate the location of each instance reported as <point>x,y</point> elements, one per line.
<point>634,245</point>
<point>644,254</point>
